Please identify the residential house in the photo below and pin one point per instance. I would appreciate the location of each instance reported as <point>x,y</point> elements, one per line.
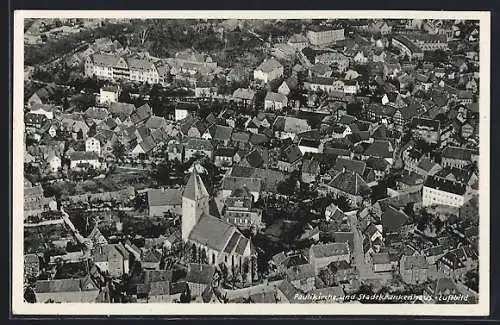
<point>140,115</point>
<point>425,129</point>
<point>320,70</point>
<point>288,127</point>
<point>457,262</point>
<point>298,41</point>
<point>381,262</point>
<point>112,259</point>
<point>112,67</point>
<point>268,70</point>
<point>349,185</point>
<point>194,146</point>
<point>150,259</point>
<point>414,269</point>
<point>322,255</point>
<point>284,89</point>
<point>224,157</point>
<point>244,95</point>
<point>302,277</point>
<point>309,145</point>
<point>310,170</point>
<point>42,95</point>
<point>231,184</point>
<point>84,159</point>
<point>351,87</point>
<point>204,89</point>
<point>109,95</point>
<point>183,109</point>
<point>239,210</point>
<point>456,157</point>
<point>275,101</point>
<point>93,145</point>
<point>199,277</point>
<point>394,221</point>
<point>380,149</point>
<point>290,159</point>
<point>325,84</point>
<point>43,109</point>
<point>338,60</point>
<point>77,290</point>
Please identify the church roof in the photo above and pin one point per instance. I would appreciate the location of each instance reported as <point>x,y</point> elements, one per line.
<point>195,189</point>
<point>212,232</point>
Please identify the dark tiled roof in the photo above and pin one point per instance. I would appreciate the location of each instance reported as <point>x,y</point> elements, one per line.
<point>351,183</point>
<point>445,185</point>
<point>357,166</point>
<point>331,249</point>
<point>393,219</point>
<point>212,232</point>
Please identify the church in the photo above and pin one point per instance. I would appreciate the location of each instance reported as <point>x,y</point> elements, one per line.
<point>212,240</point>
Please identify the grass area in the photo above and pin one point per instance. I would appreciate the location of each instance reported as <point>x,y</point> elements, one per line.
<point>115,181</point>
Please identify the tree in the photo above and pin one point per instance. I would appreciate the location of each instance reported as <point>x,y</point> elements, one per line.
<point>125,96</point>
<point>186,296</point>
<point>354,109</point>
<point>327,276</point>
<point>118,150</point>
<point>162,174</point>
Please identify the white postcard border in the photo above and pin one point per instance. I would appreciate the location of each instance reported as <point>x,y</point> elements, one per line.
<point>481,309</point>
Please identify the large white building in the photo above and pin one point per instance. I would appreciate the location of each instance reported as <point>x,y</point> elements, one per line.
<point>441,191</point>
<point>112,67</point>
<point>325,37</point>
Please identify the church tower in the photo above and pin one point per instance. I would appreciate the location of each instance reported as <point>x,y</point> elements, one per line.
<point>195,200</point>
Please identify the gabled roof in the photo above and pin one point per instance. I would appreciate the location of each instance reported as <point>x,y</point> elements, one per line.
<point>199,144</point>
<point>357,166</point>
<point>233,183</point>
<point>141,114</point>
<point>291,124</point>
<point>445,185</point>
<point>328,250</point>
<point>379,148</point>
<point>121,110</point>
<point>254,158</point>
<point>162,197</point>
<point>212,232</point>
<point>457,153</point>
<point>269,65</point>
<point>221,132</point>
<point>65,285</point>
<point>300,272</point>
<point>244,93</point>
<point>291,153</point>
<point>276,97</point>
<point>393,219</point>
<point>351,183</point>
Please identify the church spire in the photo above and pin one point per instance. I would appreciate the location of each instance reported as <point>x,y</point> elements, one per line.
<point>195,189</point>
